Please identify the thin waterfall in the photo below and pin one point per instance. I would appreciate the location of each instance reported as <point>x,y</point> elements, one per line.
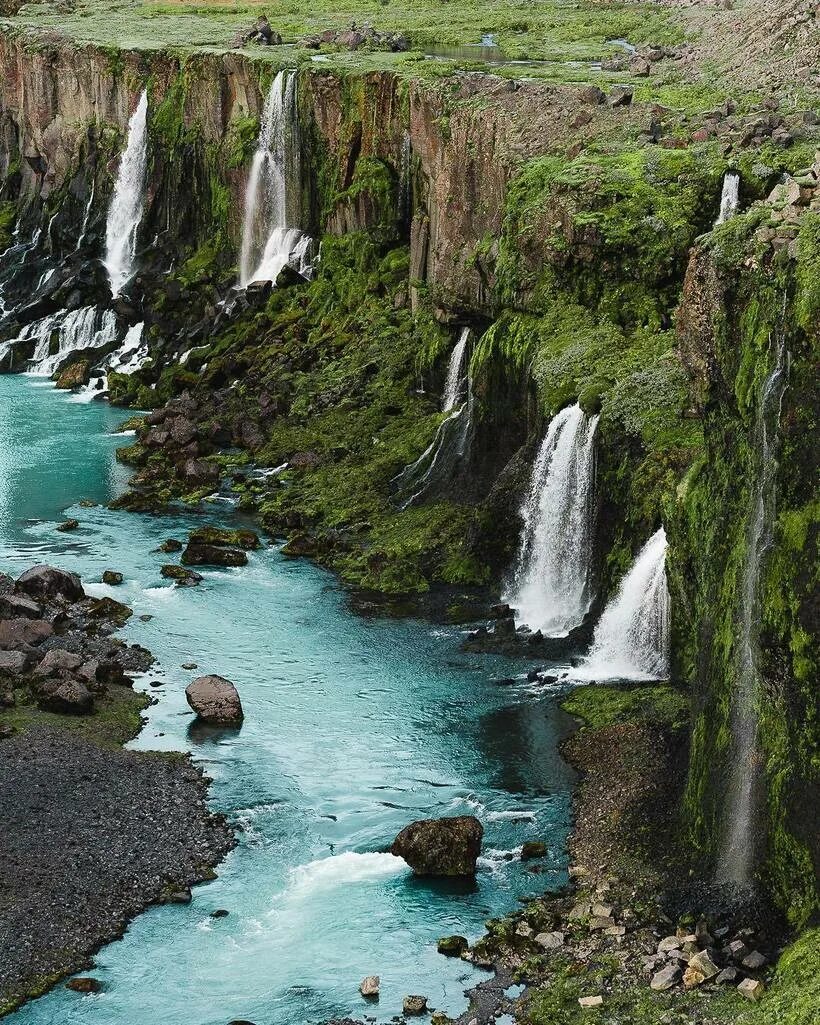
<point>552,586</point>
<point>405,172</point>
<point>452,441</point>
<point>271,237</point>
<point>632,637</point>
<point>128,201</point>
<point>455,386</point>
<point>736,862</point>
<point>730,197</point>
<point>131,356</point>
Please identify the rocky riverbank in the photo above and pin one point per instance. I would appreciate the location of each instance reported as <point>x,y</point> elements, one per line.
<point>92,834</point>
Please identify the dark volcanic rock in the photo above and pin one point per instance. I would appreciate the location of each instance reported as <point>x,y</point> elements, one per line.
<point>441,847</point>
<point>90,838</point>
<point>49,582</point>
<point>184,577</point>
<point>213,555</point>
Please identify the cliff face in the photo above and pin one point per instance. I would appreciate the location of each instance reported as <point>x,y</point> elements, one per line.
<point>557,224</point>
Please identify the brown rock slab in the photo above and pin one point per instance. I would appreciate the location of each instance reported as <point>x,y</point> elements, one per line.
<point>215,700</point>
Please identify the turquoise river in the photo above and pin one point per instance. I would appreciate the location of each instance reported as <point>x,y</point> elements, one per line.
<point>354,727</point>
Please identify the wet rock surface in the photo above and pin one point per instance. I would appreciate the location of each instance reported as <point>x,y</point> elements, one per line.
<point>441,847</point>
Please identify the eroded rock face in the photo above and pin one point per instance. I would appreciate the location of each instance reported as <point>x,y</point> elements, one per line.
<point>441,847</point>
<point>215,700</point>
<point>50,582</point>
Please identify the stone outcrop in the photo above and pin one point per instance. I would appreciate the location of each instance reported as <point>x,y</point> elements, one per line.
<point>441,847</point>
<point>49,582</point>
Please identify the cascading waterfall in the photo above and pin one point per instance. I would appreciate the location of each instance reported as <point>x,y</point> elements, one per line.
<point>131,355</point>
<point>85,330</point>
<point>632,637</point>
<point>405,204</point>
<point>552,587</point>
<point>737,856</point>
<point>128,201</point>
<point>453,438</point>
<point>730,197</point>
<point>271,237</point>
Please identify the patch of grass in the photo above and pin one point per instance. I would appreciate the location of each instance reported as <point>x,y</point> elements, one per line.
<point>599,705</point>
<point>115,721</point>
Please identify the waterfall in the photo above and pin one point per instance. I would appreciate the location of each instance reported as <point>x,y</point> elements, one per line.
<point>131,355</point>
<point>632,638</point>
<point>736,860</point>
<point>451,444</point>
<point>405,174</point>
<point>128,201</point>
<point>456,383</point>
<point>552,587</point>
<point>729,200</point>
<point>270,234</point>
<point>58,336</point>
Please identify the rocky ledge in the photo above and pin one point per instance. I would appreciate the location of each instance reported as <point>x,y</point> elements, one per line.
<point>133,827</point>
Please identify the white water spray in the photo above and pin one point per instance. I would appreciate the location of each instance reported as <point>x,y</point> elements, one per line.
<point>552,588</point>
<point>58,337</point>
<point>128,202</point>
<point>271,238</point>
<point>632,638</point>
<point>737,854</point>
<point>730,197</point>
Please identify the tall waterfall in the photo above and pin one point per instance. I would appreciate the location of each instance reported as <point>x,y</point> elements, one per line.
<point>455,386</point>
<point>270,234</point>
<point>632,638</point>
<point>737,856</point>
<point>551,590</point>
<point>128,201</point>
<point>730,197</point>
<point>451,444</point>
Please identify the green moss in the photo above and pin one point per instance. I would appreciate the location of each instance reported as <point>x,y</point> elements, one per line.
<point>600,706</point>
<point>116,719</point>
<point>794,994</point>
<point>8,218</point>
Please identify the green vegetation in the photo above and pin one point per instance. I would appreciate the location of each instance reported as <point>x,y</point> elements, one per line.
<point>8,218</point>
<point>599,706</point>
<point>794,995</point>
<point>115,721</point>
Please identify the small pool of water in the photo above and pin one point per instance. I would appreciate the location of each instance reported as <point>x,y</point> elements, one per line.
<point>354,727</point>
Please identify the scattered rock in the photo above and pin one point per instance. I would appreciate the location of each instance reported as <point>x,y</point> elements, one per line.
<point>441,847</point>
<point>68,525</point>
<point>215,700</point>
<point>220,536</point>
<point>452,946</point>
<point>219,913</point>
<point>183,576</point>
<point>727,975</point>
<point>752,989</point>
<point>170,545</point>
<point>665,978</point>
<point>369,987</point>
<point>67,697</point>
<point>16,606</point>
<point>670,943</point>
<point>213,555</point>
<point>533,849</point>
<point>20,633</point>
<point>48,582</point>
<point>84,985</point>
<point>112,577</point>
<point>550,940</point>
<point>12,663</point>
<point>755,961</point>
<point>414,1005</point>
<point>183,896</point>
<point>58,660</point>
<point>595,1001</point>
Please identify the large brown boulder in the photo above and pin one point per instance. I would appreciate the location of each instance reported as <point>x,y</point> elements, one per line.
<point>50,582</point>
<point>68,697</point>
<point>215,699</point>
<point>441,847</point>
<point>18,634</point>
<point>74,376</point>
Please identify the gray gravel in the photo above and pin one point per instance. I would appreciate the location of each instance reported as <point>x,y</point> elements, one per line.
<point>89,838</point>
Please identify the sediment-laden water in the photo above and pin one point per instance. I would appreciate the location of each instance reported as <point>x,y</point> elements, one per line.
<point>354,727</point>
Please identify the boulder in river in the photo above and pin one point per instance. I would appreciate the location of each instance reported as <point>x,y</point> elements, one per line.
<point>67,525</point>
<point>247,539</point>
<point>50,582</point>
<point>441,847</point>
<point>84,985</point>
<point>112,577</point>
<point>183,576</point>
<point>73,376</point>
<point>414,1005</point>
<point>213,555</point>
<point>215,700</point>
<point>369,987</point>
